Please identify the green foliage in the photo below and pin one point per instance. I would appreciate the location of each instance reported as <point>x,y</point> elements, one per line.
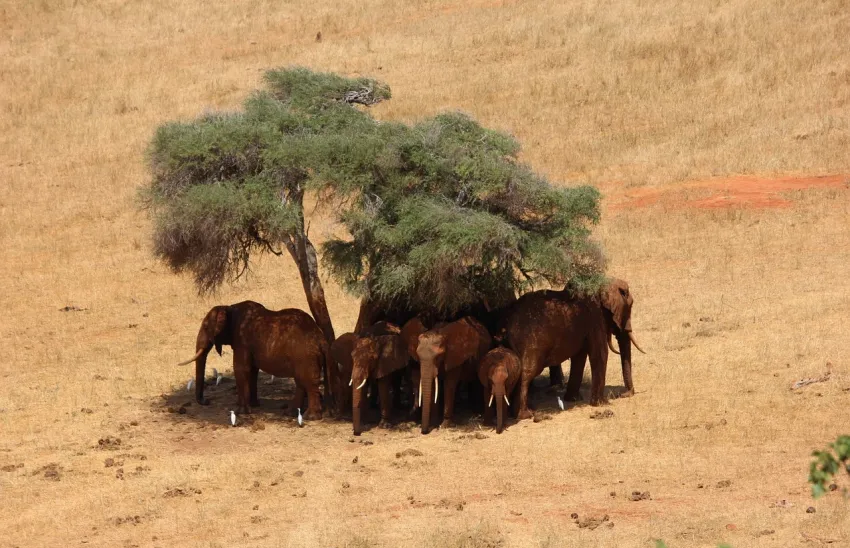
<point>828,463</point>
<point>439,215</point>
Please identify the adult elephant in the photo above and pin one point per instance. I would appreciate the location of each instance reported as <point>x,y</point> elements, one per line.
<point>284,343</point>
<point>452,351</point>
<point>545,327</point>
<point>376,357</point>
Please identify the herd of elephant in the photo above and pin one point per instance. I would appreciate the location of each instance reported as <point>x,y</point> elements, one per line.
<point>503,350</point>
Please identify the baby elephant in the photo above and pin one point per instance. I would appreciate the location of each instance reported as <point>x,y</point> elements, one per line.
<point>498,371</point>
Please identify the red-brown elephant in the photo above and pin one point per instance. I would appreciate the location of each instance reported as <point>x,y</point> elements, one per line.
<point>545,327</point>
<point>376,357</point>
<point>499,370</point>
<point>452,351</point>
<point>284,343</point>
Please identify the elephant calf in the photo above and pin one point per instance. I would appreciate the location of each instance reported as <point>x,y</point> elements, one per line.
<point>284,343</point>
<point>498,371</point>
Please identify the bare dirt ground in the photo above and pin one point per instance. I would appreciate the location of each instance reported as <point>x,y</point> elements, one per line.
<point>664,105</point>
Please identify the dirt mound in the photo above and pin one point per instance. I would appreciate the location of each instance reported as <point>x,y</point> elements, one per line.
<point>739,191</point>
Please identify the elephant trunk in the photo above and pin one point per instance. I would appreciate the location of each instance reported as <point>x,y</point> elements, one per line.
<point>427,379</point>
<point>624,340</point>
<point>501,401</point>
<point>200,374</point>
<point>356,400</point>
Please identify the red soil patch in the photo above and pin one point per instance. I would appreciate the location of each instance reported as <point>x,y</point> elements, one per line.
<point>740,191</point>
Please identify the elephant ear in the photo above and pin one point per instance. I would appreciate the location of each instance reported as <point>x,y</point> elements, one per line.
<point>393,355</point>
<point>616,299</point>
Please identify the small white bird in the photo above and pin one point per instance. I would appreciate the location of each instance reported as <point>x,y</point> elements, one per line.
<point>215,373</point>
<point>218,380</point>
<point>190,384</point>
<point>560,403</point>
<point>300,418</point>
<point>232,418</point>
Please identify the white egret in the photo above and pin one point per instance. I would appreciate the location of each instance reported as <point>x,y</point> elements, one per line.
<point>218,380</point>
<point>232,418</point>
<point>560,403</point>
<point>300,418</point>
<point>190,384</point>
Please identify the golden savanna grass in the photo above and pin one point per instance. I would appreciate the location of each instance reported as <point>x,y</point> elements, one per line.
<point>732,305</point>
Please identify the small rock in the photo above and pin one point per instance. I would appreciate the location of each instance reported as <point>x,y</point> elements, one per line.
<point>639,495</point>
<point>409,452</point>
<point>723,483</point>
<point>613,494</point>
<point>256,507</point>
<point>256,484</point>
<point>367,442</point>
<point>574,515</point>
<point>298,474</point>
<point>700,486</point>
<point>345,485</point>
<point>12,467</point>
<point>602,414</point>
<point>810,510</point>
<point>832,486</point>
<point>765,532</point>
<point>86,410</point>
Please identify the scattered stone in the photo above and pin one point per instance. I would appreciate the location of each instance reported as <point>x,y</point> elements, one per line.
<point>72,308</point>
<point>119,474</point>
<point>50,471</point>
<point>256,507</point>
<point>639,495</point>
<point>129,520</point>
<point>181,492</point>
<point>256,484</point>
<point>12,467</point>
<point>109,443</point>
<point>700,486</point>
<point>355,459</point>
<point>832,486</point>
<point>258,519</point>
<point>723,483</point>
<point>591,522</point>
<point>459,506</point>
<point>781,504</point>
<point>86,410</point>
<point>300,494</point>
<point>345,485</point>
<point>602,414</point>
<point>516,513</point>
<point>574,515</point>
<point>408,453</point>
<point>810,510</point>
<point>765,532</point>
<point>539,417</point>
<point>612,494</point>
<point>367,442</point>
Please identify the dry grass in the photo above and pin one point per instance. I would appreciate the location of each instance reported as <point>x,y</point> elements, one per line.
<point>732,305</point>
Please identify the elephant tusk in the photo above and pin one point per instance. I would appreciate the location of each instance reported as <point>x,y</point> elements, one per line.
<point>196,356</point>
<point>436,389</point>
<point>634,342</point>
<point>361,384</point>
<point>507,401</point>
<point>611,346</point>
<point>491,401</point>
<point>351,381</point>
<point>420,392</point>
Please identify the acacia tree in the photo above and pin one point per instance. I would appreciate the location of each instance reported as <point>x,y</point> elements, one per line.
<point>439,215</point>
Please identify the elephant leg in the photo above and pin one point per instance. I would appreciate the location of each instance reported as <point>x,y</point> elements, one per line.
<point>598,366</point>
<point>414,390</point>
<point>488,409</point>
<point>556,375</point>
<point>451,382</point>
<point>522,410</point>
<point>255,373</point>
<point>314,401</point>
<point>297,397</point>
<point>385,400</point>
<point>576,375</point>
<point>242,374</point>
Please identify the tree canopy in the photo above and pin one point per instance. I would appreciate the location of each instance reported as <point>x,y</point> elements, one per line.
<point>438,215</point>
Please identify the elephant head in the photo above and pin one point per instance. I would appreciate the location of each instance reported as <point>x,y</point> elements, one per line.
<point>215,331</point>
<point>617,303</point>
<point>373,357</point>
